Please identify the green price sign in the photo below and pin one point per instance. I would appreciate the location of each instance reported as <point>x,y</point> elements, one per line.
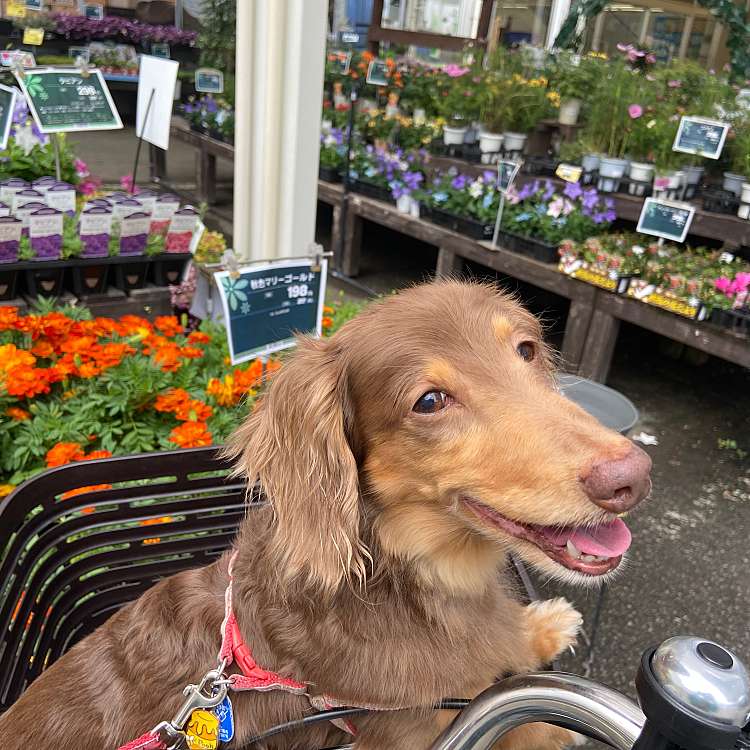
<point>665,219</point>
<point>67,99</point>
<point>266,304</point>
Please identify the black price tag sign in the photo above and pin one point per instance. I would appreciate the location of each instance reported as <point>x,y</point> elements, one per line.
<point>697,135</point>
<point>266,304</point>
<point>665,219</point>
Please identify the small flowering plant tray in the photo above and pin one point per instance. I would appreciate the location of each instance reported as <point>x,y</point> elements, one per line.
<point>465,225</point>
<point>657,296</point>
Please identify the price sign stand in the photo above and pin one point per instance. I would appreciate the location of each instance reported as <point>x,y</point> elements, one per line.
<point>140,141</point>
<point>503,193</point>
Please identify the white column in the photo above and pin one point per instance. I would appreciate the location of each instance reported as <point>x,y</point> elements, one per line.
<point>557,15</point>
<point>687,30</point>
<point>644,26</point>
<point>279,81</point>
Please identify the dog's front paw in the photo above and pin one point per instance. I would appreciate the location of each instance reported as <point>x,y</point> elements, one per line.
<point>553,626</point>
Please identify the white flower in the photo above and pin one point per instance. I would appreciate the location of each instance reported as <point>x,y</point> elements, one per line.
<point>475,189</point>
<point>638,250</point>
<point>26,139</point>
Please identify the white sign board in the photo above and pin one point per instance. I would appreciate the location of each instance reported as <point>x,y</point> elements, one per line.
<point>157,76</point>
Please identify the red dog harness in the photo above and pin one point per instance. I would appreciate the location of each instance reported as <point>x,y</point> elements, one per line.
<point>251,677</point>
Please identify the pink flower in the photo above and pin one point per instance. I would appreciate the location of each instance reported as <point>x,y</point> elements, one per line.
<point>651,58</point>
<point>674,84</point>
<point>126,182</point>
<point>635,54</point>
<point>624,47</point>
<point>635,111</point>
<point>568,207</point>
<point>90,186</point>
<point>511,196</point>
<point>81,168</point>
<point>555,208</point>
<point>723,284</point>
<point>455,71</point>
<point>741,283</point>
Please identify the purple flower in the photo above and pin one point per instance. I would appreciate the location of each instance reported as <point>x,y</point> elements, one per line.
<point>549,190</point>
<point>573,191</point>
<point>455,71</point>
<point>459,182</point>
<point>413,179</point>
<point>590,198</point>
<point>651,58</point>
<point>528,190</point>
<point>610,215</point>
<point>489,176</point>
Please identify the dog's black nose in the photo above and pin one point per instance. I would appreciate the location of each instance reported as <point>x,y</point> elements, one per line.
<point>619,484</point>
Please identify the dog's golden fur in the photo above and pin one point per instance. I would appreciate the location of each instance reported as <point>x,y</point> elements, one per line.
<point>364,576</point>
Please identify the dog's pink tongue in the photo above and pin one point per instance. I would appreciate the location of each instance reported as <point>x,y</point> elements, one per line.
<point>606,540</point>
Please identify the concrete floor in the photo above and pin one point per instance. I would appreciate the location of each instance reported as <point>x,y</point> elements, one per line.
<point>689,569</point>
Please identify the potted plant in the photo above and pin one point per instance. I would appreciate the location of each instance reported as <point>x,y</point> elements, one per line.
<point>525,101</point>
<point>737,182</point>
<point>730,298</point>
<point>454,104</point>
<point>419,95</point>
<point>463,203</point>
<point>332,155</point>
<point>541,216</point>
<point>572,77</point>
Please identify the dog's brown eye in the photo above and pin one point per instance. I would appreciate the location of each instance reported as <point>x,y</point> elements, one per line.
<point>526,350</point>
<point>431,402</point>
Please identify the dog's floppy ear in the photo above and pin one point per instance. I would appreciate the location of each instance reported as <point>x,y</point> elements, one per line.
<point>295,442</point>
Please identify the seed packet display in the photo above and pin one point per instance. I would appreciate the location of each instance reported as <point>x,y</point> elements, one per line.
<point>95,227</point>
<point>22,197</point>
<point>134,233</point>
<point>45,233</point>
<point>147,198</point>
<point>62,196</point>
<point>181,228</point>
<point>123,208</point>
<point>9,187</point>
<point>4,210</point>
<point>165,208</point>
<point>24,212</point>
<point>10,238</point>
<point>42,184</point>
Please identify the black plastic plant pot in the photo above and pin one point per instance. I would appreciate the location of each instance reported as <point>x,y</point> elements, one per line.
<point>537,249</point>
<point>329,174</point>
<point>131,275</point>
<point>371,191</point>
<point>461,224</point>
<point>720,201</point>
<point>169,267</point>
<point>89,280</point>
<point>45,282</point>
<point>737,321</point>
<point>8,281</point>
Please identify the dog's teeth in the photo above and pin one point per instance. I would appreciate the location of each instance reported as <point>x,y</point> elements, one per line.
<point>573,551</point>
<point>589,558</point>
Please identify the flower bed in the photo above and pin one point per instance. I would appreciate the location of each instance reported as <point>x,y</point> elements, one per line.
<point>111,27</point>
<point>74,387</point>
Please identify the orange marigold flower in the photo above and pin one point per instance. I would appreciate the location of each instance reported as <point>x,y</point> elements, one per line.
<point>222,390</point>
<point>198,337</point>
<point>83,491</point>
<point>88,370</point>
<point>154,521</point>
<point>27,382</point>
<point>168,357</point>
<point>8,318</point>
<point>327,322</point>
<point>78,345</point>
<point>11,357</point>
<point>193,411</point>
<point>272,365</point>
<point>168,325</point>
<point>6,489</point>
<point>191,352</point>
<point>63,453</point>
<point>191,435</point>
<point>16,413</point>
<point>171,400</point>
<point>97,454</point>
<point>43,349</point>
<point>328,310</point>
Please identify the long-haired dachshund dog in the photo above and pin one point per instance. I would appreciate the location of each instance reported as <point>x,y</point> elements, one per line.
<point>403,459</point>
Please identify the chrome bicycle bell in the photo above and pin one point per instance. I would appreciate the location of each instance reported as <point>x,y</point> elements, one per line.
<point>695,695</point>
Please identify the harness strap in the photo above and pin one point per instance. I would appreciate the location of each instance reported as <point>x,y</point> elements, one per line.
<point>148,741</point>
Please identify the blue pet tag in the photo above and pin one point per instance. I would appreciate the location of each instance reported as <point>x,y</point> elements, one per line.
<point>226,720</point>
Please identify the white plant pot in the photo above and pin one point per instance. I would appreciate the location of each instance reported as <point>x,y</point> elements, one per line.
<point>745,197</point>
<point>693,177</point>
<point>453,136</point>
<point>744,211</point>
<point>414,208</point>
<point>403,204</point>
<point>611,171</point>
<point>669,185</point>
<point>733,182</point>
<point>419,116</point>
<point>641,174</point>
<point>569,111</point>
<point>490,143</point>
<point>590,162</point>
<point>514,141</point>
<point>326,125</point>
